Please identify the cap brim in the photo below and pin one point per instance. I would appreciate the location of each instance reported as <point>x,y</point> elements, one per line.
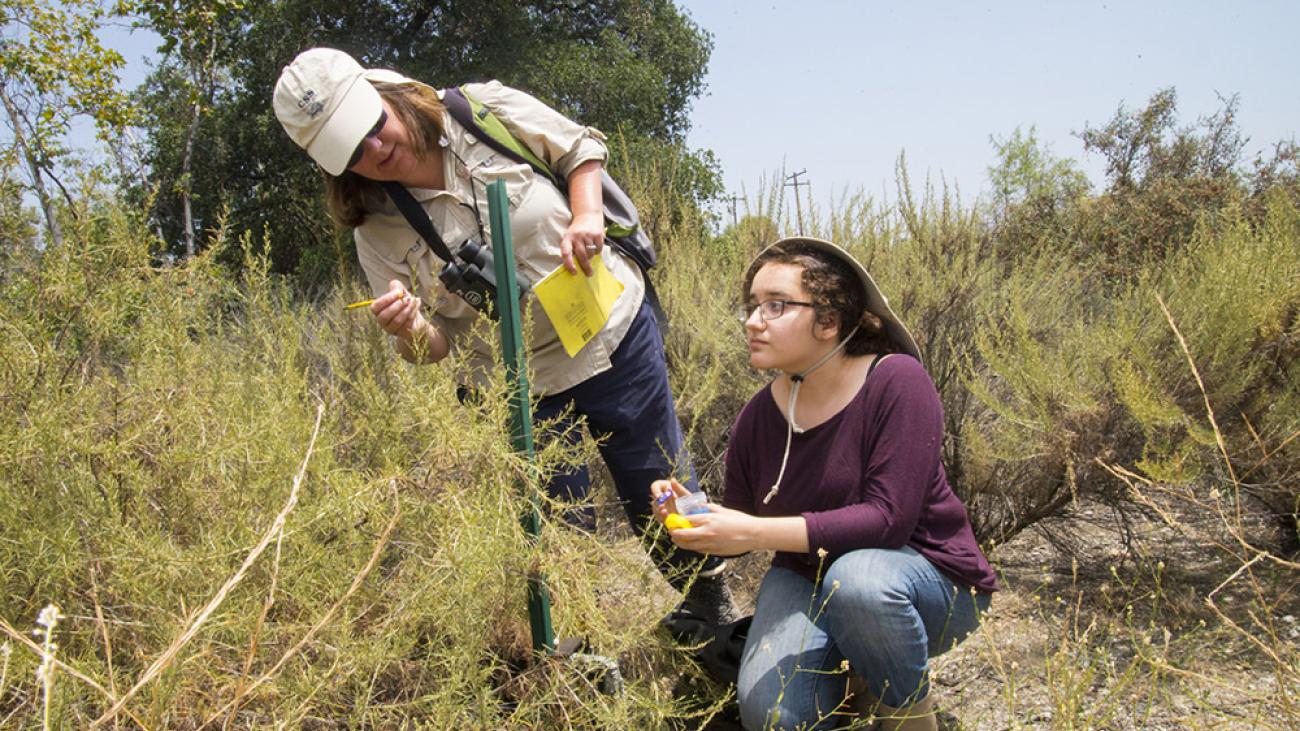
<point>876,301</point>
<point>347,126</point>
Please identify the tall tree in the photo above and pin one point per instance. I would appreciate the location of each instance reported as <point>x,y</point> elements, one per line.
<point>53,69</point>
<point>626,66</point>
<point>1162,178</point>
<point>195,34</point>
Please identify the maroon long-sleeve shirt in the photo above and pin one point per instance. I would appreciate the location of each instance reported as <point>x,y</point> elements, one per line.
<point>869,477</point>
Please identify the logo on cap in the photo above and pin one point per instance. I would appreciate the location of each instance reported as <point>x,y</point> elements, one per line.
<point>310,104</point>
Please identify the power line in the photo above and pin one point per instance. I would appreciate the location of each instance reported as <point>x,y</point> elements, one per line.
<point>731,201</point>
<point>795,183</point>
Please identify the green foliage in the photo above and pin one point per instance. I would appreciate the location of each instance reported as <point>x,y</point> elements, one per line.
<point>192,30</point>
<point>196,39</point>
<point>52,70</point>
<point>1144,146</point>
<point>635,70</point>
<point>1040,419</point>
<point>1027,171</point>
<point>1080,365</point>
<point>629,67</point>
<point>1235,296</point>
<point>53,62</point>
<point>154,422</point>
<point>1078,378</point>
<point>1034,196</point>
<point>1162,179</point>
<point>17,227</point>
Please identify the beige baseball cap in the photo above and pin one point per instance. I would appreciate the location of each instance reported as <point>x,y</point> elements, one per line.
<point>326,104</point>
<point>875,299</point>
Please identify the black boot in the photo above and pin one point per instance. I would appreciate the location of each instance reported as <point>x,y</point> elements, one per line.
<point>709,598</point>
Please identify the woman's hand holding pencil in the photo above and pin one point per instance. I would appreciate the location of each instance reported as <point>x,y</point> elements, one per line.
<point>403,294</point>
<point>398,313</point>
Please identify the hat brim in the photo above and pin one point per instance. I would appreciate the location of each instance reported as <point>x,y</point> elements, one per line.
<point>877,304</point>
<point>347,126</point>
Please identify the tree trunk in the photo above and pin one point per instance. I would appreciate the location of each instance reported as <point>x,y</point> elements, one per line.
<point>34,167</point>
<point>134,169</point>
<point>203,83</point>
<point>186,182</point>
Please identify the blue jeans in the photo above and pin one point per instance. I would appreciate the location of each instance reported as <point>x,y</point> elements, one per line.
<point>629,410</point>
<point>886,611</point>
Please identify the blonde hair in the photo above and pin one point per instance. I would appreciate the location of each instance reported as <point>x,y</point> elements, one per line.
<point>350,197</point>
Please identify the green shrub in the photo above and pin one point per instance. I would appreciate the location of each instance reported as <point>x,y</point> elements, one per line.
<point>153,425</point>
<point>155,421</point>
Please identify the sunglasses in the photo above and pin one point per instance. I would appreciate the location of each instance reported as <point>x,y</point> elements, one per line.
<point>374,132</point>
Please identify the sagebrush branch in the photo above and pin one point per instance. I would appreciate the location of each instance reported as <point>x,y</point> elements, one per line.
<point>184,638</point>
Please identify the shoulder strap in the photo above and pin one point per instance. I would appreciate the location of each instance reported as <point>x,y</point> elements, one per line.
<point>479,119</point>
<point>415,215</point>
<point>872,368</point>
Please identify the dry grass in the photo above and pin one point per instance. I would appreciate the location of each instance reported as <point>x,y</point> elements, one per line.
<point>153,419</point>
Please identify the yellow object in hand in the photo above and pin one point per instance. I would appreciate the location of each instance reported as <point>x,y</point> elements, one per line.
<point>675,521</point>
<point>367,303</point>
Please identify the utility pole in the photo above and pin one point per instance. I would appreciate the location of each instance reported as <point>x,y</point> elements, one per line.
<point>795,183</point>
<point>731,201</point>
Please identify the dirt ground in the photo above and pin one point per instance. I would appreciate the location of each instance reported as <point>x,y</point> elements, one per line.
<point>1103,623</point>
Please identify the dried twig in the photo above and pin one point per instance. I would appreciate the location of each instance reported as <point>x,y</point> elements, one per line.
<point>103,630</point>
<point>1264,647</point>
<point>329,616</point>
<point>1209,410</point>
<point>201,618</point>
<point>22,639</point>
<point>1233,527</point>
<point>257,629</point>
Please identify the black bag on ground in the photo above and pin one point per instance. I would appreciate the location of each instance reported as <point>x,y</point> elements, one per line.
<point>720,647</point>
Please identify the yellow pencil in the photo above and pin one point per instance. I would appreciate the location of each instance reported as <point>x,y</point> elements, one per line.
<point>367,303</point>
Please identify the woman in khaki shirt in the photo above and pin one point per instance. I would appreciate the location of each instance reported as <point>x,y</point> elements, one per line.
<point>367,126</point>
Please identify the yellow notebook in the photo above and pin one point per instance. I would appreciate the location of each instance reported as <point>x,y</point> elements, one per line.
<point>577,305</point>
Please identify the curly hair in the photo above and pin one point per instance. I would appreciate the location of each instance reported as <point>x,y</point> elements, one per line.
<point>349,197</point>
<point>835,291</point>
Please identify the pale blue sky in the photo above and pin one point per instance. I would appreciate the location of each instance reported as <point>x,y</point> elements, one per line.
<point>841,87</point>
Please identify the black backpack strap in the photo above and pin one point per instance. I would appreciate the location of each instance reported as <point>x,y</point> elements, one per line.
<point>872,368</point>
<point>661,317</point>
<point>415,215</point>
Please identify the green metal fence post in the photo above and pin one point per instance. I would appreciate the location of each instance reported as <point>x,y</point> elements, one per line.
<point>521,423</point>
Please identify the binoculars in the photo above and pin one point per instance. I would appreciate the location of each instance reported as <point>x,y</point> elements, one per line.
<point>471,276</point>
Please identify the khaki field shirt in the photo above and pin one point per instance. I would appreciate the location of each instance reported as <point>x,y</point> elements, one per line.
<point>539,215</point>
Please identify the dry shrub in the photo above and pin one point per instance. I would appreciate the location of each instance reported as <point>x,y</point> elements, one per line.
<point>157,420</point>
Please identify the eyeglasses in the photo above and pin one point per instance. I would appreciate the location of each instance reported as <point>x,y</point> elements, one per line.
<point>374,132</point>
<point>768,309</point>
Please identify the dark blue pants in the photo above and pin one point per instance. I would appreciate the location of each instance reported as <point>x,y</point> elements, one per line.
<point>629,410</point>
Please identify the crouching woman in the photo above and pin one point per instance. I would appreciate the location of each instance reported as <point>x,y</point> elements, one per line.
<point>835,466</point>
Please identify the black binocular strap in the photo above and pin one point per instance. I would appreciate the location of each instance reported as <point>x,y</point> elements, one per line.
<point>415,215</point>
